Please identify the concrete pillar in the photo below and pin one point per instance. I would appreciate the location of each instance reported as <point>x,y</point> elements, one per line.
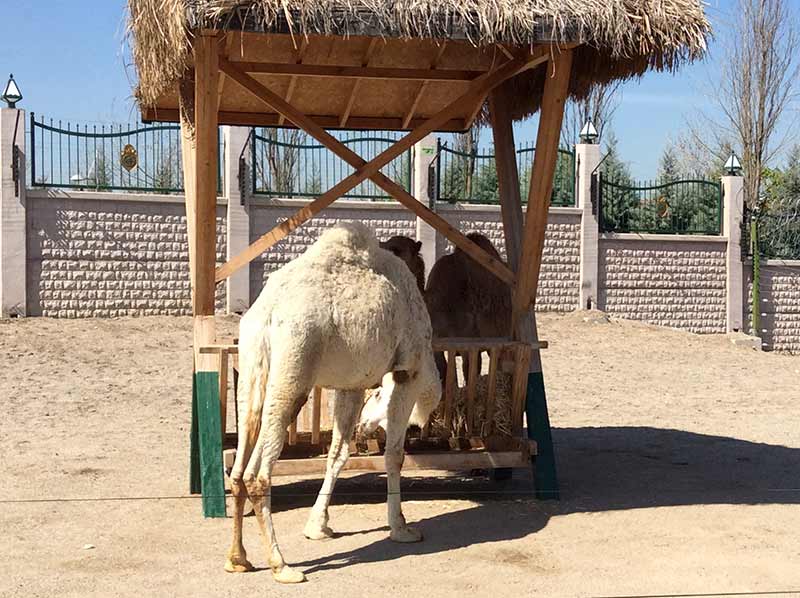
<point>587,157</point>
<point>733,213</point>
<point>12,213</point>
<point>238,220</point>
<point>424,154</point>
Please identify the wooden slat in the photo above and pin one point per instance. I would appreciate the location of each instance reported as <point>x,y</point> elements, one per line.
<point>293,81</point>
<point>451,382</point>
<point>371,169</point>
<point>450,461</point>
<point>518,385</point>
<point>421,91</point>
<point>316,412</point>
<point>357,72</point>
<point>354,92</point>
<point>293,433</point>
<point>491,390</point>
<point>472,383</point>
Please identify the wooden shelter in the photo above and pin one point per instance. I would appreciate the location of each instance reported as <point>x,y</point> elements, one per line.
<point>426,66</point>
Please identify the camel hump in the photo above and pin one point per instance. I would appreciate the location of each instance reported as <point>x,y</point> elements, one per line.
<point>481,241</point>
<point>348,236</point>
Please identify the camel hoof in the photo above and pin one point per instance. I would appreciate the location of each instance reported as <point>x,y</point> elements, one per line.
<point>237,565</point>
<point>288,575</point>
<point>405,535</point>
<point>318,532</point>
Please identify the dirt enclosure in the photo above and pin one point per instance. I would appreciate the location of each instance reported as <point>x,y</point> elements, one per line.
<point>678,455</point>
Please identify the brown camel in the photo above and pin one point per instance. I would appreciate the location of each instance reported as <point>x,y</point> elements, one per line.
<point>407,249</point>
<point>466,300</point>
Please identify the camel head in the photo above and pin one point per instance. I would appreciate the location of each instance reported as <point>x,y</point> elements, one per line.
<point>407,249</point>
<point>403,247</point>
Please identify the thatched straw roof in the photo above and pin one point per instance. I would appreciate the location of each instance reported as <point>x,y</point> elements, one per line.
<point>620,38</point>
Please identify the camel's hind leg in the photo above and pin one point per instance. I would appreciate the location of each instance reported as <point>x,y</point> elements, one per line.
<point>346,407</point>
<point>278,410</point>
<point>399,408</point>
<point>251,392</point>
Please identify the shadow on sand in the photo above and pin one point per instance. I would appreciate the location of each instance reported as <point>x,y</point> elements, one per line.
<point>600,469</point>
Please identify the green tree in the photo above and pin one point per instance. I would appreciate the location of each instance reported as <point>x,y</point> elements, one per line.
<point>620,202</point>
<point>484,185</point>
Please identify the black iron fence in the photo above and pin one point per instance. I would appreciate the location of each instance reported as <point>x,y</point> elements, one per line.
<point>285,165</point>
<point>472,177</point>
<point>672,207</point>
<point>779,234</point>
<point>112,157</point>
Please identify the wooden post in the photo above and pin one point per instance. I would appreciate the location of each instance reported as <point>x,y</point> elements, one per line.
<point>530,238</point>
<point>505,156</point>
<point>199,143</point>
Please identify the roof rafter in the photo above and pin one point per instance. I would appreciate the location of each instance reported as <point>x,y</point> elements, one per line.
<point>423,87</point>
<point>352,98</point>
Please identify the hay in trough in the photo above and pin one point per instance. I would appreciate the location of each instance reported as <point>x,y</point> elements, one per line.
<point>501,419</point>
<point>618,39</point>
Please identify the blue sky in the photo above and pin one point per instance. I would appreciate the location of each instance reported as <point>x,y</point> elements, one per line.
<point>70,65</point>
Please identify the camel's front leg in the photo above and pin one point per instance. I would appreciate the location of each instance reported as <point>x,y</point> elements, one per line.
<point>400,406</point>
<point>346,407</point>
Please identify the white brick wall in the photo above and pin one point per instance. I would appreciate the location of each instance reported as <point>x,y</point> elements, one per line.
<point>780,304</point>
<point>91,258</point>
<point>667,281</point>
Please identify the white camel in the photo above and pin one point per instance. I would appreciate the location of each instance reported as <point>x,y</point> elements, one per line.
<point>346,315</point>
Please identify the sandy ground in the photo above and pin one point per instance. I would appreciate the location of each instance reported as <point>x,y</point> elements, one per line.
<point>678,455</point>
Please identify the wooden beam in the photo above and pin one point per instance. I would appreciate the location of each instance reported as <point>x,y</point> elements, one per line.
<point>448,461</point>
<point>353,92</point>
<point>371,169</point>
<point>301,51</point>
<point>505,157</point>
<point>423,87</point>
<point>357,72</point>
<point>201,196</point>
<point>326,121</point>
<point>556,89</point>
<point>456,344</point>
<point>187,120</point>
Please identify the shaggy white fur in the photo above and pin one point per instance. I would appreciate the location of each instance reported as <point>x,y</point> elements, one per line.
<point>345,315</point>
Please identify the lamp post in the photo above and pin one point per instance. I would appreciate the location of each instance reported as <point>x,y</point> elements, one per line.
<point>732,166</point>
<point>12,94</point>
<point>588,133</point>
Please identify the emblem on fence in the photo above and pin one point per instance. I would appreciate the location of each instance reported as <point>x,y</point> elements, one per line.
<point>662,207</point>
<point>129,158</point>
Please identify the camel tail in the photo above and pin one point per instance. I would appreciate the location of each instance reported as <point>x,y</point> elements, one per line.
<point>252,392</point>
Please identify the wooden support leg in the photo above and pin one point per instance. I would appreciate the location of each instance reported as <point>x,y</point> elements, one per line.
<point>199,143</point>
<point>532,245</point>
<point>541,188</point>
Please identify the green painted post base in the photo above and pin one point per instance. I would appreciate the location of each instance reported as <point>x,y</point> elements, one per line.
<point>539,430</point>
<point>195,486</point>
<point>209,434</point>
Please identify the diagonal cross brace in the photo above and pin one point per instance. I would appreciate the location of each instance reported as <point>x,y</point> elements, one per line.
<point>371,169</point>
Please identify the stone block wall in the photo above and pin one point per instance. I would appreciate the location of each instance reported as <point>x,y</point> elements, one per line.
<point>387,218</point>
<point>668,281</point>
<point>559,280</point>
<point>780,304</point>
<point>108,256</point>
